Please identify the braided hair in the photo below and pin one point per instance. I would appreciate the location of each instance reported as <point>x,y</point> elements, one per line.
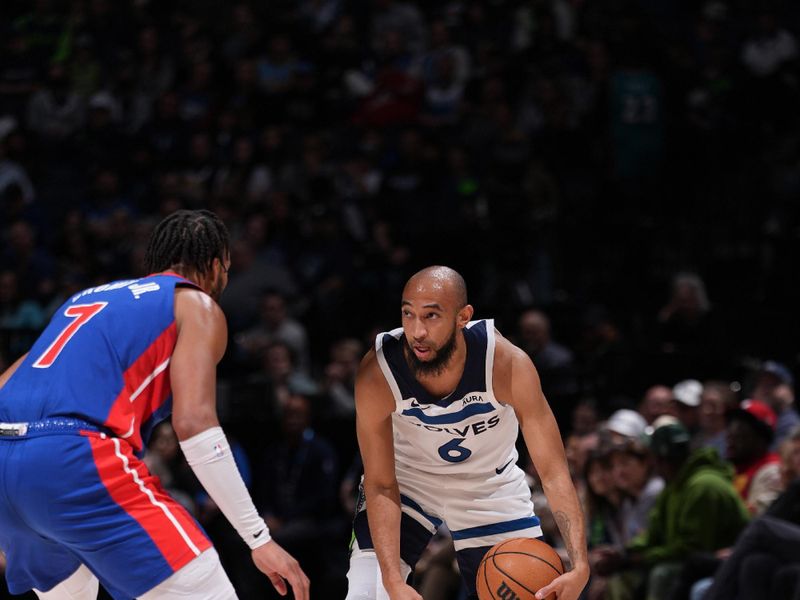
<point>189,238</point>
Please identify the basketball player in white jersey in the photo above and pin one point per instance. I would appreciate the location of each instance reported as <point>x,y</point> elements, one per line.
<point>439,403</point>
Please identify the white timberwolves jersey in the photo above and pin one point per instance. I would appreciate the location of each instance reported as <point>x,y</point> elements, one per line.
<point>468,432</point>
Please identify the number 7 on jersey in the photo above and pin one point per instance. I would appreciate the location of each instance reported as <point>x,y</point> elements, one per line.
<point>81,313</point>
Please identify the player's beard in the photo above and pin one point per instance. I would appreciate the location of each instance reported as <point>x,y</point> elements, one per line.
<point>436,365</point>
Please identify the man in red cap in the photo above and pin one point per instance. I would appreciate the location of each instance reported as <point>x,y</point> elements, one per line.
<point>751,429</point>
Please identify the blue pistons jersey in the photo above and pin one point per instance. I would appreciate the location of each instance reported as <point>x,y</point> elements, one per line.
<point>103,358</point>
<point>470,431</point>
<point>74,419</point>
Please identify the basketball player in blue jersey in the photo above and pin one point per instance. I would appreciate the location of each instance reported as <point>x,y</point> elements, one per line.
<point>77,504</point>
<point>439,403</point>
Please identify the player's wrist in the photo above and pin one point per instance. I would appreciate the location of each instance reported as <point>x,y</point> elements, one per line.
<point>257,536</point>
<point>393,581</point>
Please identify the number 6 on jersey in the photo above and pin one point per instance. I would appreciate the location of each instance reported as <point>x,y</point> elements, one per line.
<point>81,313</point>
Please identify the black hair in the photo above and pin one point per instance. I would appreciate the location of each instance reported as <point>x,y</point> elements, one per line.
<point>189,238</point>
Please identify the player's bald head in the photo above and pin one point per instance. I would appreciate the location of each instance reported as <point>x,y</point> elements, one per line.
<point>439,280</point>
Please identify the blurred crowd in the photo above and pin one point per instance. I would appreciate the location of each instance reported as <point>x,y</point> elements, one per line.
<point>617,181</point>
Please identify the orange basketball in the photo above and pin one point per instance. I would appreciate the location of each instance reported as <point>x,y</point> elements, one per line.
<point>516,569</point>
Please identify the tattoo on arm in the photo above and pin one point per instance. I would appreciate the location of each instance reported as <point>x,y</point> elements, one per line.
<point>565,527</point>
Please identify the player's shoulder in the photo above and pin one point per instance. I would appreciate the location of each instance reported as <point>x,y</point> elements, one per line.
<point>507,354</point>
<point>192,302</point>
<point>369,370</point>
<point>373,394</point>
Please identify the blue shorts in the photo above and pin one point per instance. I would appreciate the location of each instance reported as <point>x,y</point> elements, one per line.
<point>70,494</point>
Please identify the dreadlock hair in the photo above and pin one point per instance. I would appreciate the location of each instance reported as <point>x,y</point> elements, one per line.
<point>189,238</point>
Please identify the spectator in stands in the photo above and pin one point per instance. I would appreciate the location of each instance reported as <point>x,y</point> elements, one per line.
<point>17,312</point>
<point>55,112</point>
<point>775,386</point>
<point>601,504</point>
<point>340,376</point>
<point>716,400</point>
<point>633,474</point>
<point>764,562</point>
<point>686,397</point>
<point>274,325</point>
<point>698,511</point>
<point>657,401</point>
<point>554,361</point>
<point>751,429</point>
<point>298,476</point>
<point>626,425</point>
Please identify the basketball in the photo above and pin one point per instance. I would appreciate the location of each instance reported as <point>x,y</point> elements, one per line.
<point>517,569</point>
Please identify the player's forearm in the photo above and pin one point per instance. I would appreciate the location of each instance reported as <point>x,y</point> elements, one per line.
<point>209,455</point>
<point>383,513</point>
<point>568,515</point>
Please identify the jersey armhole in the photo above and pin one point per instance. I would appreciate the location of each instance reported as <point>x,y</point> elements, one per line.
<point>490,348</point>
<point>387,374</point>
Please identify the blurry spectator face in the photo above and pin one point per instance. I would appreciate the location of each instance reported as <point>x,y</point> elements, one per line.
<point>577,449</point>
<point>629,472</point>
<point>687,415</point>
<point>278,362</point>
<point>246,73</point>
<point>201,147</point>
<point>599,479</point>
<point>8,287</point>
<point>439,35</point>
<point>165,442</point>
<point>584,419</point>
<point>712,410</point>
<point>575,457</point>
<point>148,40</point>
<point>346,354</point>
<point>534,330</point>
<point>774,391</point>
<point>273,310</point>
<point>657,401</point>
<point>21,238</point>
<point>790,461</point>
<point>296,415</point>
<point>243,150</point>
<point>744,443</point>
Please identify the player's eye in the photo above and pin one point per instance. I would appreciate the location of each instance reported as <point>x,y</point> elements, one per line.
<point>432,315</point>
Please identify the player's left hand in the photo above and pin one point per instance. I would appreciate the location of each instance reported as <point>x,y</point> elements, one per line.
<point>566,587</point>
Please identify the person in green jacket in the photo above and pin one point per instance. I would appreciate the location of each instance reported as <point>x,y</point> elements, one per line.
<point>698,511</point>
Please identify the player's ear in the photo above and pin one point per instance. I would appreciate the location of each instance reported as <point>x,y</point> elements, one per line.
<point>465,315</point>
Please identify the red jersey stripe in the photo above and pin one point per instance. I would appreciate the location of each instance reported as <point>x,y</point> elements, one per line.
<point>146,386</point>
<point>173,531</point>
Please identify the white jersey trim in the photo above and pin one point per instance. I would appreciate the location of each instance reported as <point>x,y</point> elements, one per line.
<point>387,371</point>
<point>490,341</point>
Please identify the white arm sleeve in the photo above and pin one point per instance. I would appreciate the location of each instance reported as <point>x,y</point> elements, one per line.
<point>209,455</point>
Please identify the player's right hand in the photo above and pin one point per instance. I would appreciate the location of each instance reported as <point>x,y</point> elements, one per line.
<point>402,591</point>
<point>280,567</point>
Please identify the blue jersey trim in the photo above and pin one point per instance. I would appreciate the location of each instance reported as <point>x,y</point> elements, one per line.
<point>473,379</point>
<point>468,411</point>
<point>411,504</point>
<point>504,527</point>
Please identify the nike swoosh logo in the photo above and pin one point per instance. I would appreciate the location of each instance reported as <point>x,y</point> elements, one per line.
<point>415,404</point>
<point>255,535</point>
<point>503,468</point>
